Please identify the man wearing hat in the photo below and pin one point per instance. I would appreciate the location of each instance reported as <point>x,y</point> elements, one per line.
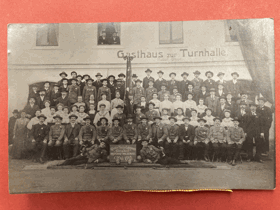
<point>147,79</point>
<point>254,130</point>
<point>74,91</point>
<point>89,90</point>
<point>31,108</point>
<point>73,75</point>
<point>41,99</point>
<point>221,80</point>
<point>55,94</point>
<point>197,82</point>
<point>212,101</point>
<point>159,132</point>
<point>172,82</point>
<point>222,106</point>
<point>209,82</point>
<point>103,131</point>
<point>63,99</point>
<point>120,115</point>
<point>186,140</point>
<point>34,92</point>
<point>116,132</point>
<point>265,114</point>
<point>242,114</point>
<point>218,139</point>
<point>63,75</point>
<point>80,83</point>
<point>171,143</point>
<point>121,77</point>
<point>130,131</point>
<point>112,85</point>
<point>183,85</point>
<point>97,83</point>
<point>138,114</point>
<point>137,92</point>
<point>159,81</point>
<point>56,135</point>
<point>144,133</point>
<point>119,88</point>
<point>163,92</point>
<point>235,139</point>
<point>244,99</point>
<point>64,85</point>
<point>133,81</point>
<point>150,90</point>
<point>151,113</point>
<point>12,122</point>
<point>104,89</point>
<point>234,86</point>
<point>201,140</point>
<point>39,135</point>
<point>87,134</point>
<point>71,138</point>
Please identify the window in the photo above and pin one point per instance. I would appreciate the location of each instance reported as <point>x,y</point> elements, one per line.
<point>230,35</point>
<point>109,34</point>
<point>171,32</point>
<point>47,35</point>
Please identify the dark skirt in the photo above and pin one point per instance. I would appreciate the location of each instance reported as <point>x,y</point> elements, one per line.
<point>19,143</point>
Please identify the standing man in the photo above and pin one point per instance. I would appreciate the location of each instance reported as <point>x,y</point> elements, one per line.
<point>134,78</point>
<point>104,89</point>
<point>71,138</point>
<point>172,83</point>
<point>73,75</point>
<point>80,84</point>
<point>130,131</point>
<point>63,75</point>
<point>234,86</point>
<point>209,82</point>
<point>89,90</point>
<point>74,91</point>
<point>111,85</point>
<point>197,82</point>
<point>265,114</point>
<point>183,85</point>
<point>138,92</point>
<point>12,122</point>
<point>159,81</point>
<point>121,77</point>
<point>150,90</point>
<point>221,80</point>
<point>147,79</point>
<point>55,94</point>
<point>41,99</point>
<point>98,82</point>
<point>33,93</point>
<point>120,88</point>
<point>212,101</point>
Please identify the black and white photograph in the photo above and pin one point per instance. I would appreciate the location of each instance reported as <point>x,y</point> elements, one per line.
<point>184,105</point>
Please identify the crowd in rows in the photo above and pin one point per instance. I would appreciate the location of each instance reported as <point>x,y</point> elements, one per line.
<point>210,120</point>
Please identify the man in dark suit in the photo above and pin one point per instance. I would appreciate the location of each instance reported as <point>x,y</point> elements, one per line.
<point>212,101</point>
<point>114,40</point>
<point>47,88</point>
<point>33,93</point>
<point>97,83</point>
<point>209,83</point>
<point>234,86</point>
<point>265,114</point>
<point>159,81</point>
<point>202,93</point>
<point>172,83</point>
<point>80,83</point>
<point>186,140</point>
<point>102,40</point>
<point>112,86</point>
<point>222,106</point>
<point>63,75</point>
<point>254,130</point>
<point>42,98</point>
<point>63,99</point>
<point>130,106</point>
<point>120,88</point>
<point>55,94</point>
<point>183,85</point>
<point>231,104</point>
<point>31,108</point>
<point>71,138</point>
<point>12,122</point>
<point>134,78</point>
<point>221,91</point>
<point>197,82</point>
<point>147,79</point>
<point>222,81</point>
<point>242,115</point>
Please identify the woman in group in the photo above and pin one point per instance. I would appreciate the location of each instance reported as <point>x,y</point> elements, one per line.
<point>20,136</point>
<point>91,102</point>
<point>91,113</point>
<point>200,108</point>
<point>82,115</point>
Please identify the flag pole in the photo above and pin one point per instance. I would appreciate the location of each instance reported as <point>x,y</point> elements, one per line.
<point>128,83</point>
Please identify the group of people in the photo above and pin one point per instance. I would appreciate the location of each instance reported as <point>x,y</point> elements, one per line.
<point>78,118</point>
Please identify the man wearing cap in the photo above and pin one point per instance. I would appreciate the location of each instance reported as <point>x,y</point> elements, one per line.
<point>201,140</point>
<point>159,132</point>
<point>64,85</point>
<point>41,99</point>
<point>212,101</point>
<point>104,89</point>
<point>130,131</point>
<point>119,87</point>
<point>63,99</point>
<point>34,120</point>
<point>183,85</point>
<point>235,86</point>
<point>151,113</point>
<point>163,92</point>
<point>71,138</point>
<point>265,114</point>
<point>31,108</point>
<point>172,82</point>
<point>150,90</point>
<point>74,91</point>
<point>254,130</point>
<point>197,82</point>
<point>144,131</point>
<point>39,135</point>
<point>12,122</point>
<point>186,140</point>
<point>73,75</point>
<point>235,139</point>
<point>159,81</point>
<point>33,93</point>
<point>222,106</point>
<point>121,77</point>
<point>209,82</point>
<point>221,80</point>
<point>120,115</point>
<point>87,134</point>
<point>218,139</point>
<point>133,81</point>
<point>116,132</point>
<point>112,85</point>
<point>171,143</point>
<point>55,94</point>
<point>56,135</point>
<point>137,92</point>
<point>97,83</point>
<point>147,79</point>
<point>63,75</point>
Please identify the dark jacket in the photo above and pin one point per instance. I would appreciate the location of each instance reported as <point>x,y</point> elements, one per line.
<point>146,82</point>
<point>187,134</point>
<point>265,114</point>
<point>70,130</point>
<point>253,126</point>
<point>40,132</point>
<point>54,97</point>
<point>210,84</point>
<point>235,89</point>
<point>31,110</point>
<point>159,132</point>
<point>40,102</point>
<point>158,84</point>
<point>114,41</point>
<point>130,131</point>
<point>183,86</point>
<point>64,101</point>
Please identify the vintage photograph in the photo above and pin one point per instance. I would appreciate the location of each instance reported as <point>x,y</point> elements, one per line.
<point>181,105</point>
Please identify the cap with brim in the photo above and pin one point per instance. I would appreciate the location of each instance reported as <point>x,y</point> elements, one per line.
<point>172,118</point>
<point>57,116</point>
<point>209,72</point>
<point>111,76</point>
<point>217,118</point>
<point>235,74</point>
<point>16,111</point>
<point>103,118</point>
<point>138,80</point>
<point>143,118</point>
<point>41,115</point>
<point>114,119</point>
<point>63,73</point>
<point>212,90</point>
<point>119,106</point>
<point>148,70</point>
<point>121,75</point>
<point>86,118</point>
<point>208,109</point>
<point>102,105</point>
<point>220,73</point>
<point>89,79</point>
<point>172,73</point>
<point>151,103</point>
<point>86,75</point>
<point>185,73</point>
<point>98,74</point>
<point>73,72</point>
<point>186,118</point>
<point>134,75</point>
<point>160,72</point>
<point>73,115</point>
<point>157,117</point>
<point>197,72</point>
<point>201,119</point>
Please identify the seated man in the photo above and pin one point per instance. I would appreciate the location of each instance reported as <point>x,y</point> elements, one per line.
<point>201,140</point>
<point>151,114</point>
<point>116,132</point>
<point>103,131</point>
<point>218,137</point>
<point>94,154</point>
<point>56,135</point>
<point>235,139</point>
<point>130,131</point>
<point>144,133</point>
<point>87,133</point>
<point>159,133</point>
<point>71,138</point>
<point>171,143</point>
<point>120,115</point>
<point>186,142</point>
<point>39,136</point>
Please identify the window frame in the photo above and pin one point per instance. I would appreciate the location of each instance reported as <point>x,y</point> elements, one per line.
<point>109,46</point>
<point>171,40</point>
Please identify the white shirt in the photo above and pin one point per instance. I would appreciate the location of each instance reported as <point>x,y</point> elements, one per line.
<point>189,104</point>
<point>234,81</point>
